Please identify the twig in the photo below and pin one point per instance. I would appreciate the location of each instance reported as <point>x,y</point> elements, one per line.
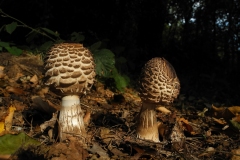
<point>26,26</point>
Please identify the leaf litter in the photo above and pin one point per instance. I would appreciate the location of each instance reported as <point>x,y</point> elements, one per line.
<point>190,129</point>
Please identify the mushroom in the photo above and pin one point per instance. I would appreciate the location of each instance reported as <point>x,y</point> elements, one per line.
<point>158,84</point>
<point>70,72</point>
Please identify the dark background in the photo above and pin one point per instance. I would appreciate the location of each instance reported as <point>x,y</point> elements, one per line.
<point>199,37</point>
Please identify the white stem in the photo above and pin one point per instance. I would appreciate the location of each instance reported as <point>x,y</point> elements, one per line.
<point>71,118</point>
<point>147,127</point>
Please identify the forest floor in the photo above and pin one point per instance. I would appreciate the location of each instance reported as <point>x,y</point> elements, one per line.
<point>190,129</point>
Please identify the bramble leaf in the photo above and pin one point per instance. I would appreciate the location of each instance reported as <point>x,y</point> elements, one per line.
<point>77,37</point>
<point>14,50</point>
<point>4,44</point>
<point>95,46</point>
<point>105,62</point>
<point>11,27</point>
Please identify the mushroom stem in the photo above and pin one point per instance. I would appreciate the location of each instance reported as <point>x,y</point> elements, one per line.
<point>71,118</point>
<point>147,127</point>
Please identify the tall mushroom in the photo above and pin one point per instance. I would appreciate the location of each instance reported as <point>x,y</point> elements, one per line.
<point>159,84</point>
<point>70,72</point>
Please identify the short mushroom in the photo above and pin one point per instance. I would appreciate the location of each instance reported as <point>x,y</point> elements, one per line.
<point>159,84</point>
<point>70,72</point>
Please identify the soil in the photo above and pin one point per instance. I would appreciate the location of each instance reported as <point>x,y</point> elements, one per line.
<point>186,132</point>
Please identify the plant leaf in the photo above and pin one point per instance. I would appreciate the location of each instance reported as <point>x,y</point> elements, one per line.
<point>31,35</point>
<point>9,144</point>
<point>14,50</point>
<point>11,27</point>
<point>95,46</point>
<point>77,37</point>
<point>50,32</point>
<point>121,60</point>
<point>121,81</point>
<point>45,46</point>
<point>105,62</point>
<point>4,44</point>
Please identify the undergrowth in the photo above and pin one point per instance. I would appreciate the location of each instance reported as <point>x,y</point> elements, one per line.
<point>104,58</point>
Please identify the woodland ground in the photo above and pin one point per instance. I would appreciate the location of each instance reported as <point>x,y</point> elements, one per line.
<point>194,129</point>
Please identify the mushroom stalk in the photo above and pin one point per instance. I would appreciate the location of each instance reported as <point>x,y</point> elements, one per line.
<point>71,118</point>
<point>147,127</point>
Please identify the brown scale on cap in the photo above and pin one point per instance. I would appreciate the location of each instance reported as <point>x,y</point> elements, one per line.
<point>158,82</point>
<point>70,68</point>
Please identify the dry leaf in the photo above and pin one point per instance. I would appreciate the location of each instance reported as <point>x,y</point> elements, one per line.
<point>49,123</point>
<point>138,154</point>
<point>163,110</point>
<point>220,121</point>
<point>162,128</point>
<point>208,152</point>
<point>87,116</point>
<point>19,105</point>
<point>15,90</point>
<point>34,80</point>
<point>236,119</point>
<point>101,152</point>
<point>46,106</point>
<point>2,128</point>
<point>2,74</point>
<point>236,154</point>
<point>202,114</point>
<point>9,118</point>
<point>43,91</point>
<point>224,112</point>
<point>235,110</point>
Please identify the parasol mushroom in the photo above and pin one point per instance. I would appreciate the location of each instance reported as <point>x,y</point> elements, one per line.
<point>159,84</point>
<point>70,73</point>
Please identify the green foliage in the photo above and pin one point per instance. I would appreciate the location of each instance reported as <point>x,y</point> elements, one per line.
<point>105,65</point>
<point>11,49</point>
<point>77,37</point>
<point>11,27</point>
<point>9,144</point>
<point>121,81</point>
<point>104,58</point>
<point>33,34</point>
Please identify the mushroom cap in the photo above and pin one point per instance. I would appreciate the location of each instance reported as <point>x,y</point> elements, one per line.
<point>159,83</point>
<point>70,68</point>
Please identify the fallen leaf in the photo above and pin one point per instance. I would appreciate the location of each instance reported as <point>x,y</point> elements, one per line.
<point>138,154</point>
<point>9,118</point>
<point>220,121</point>
<point>86,118</point>
<point>236,119</point>
<point>202,114</point>
<point>2,74</point>
<point>235,110</point>
<point>101,152</point>
<point>43,91</point>
<point>235,124</point>
<point>162,128</point>
<point>9,144</point>
<point>2,128</point>
<point>208,152</point>
<point>34,80</point>
<point>19,105</point>
<point>15,90</point>
<point>163,110</point>
<point>46,106</point>
<point>236,154</point>
<point>49,123</point>
<point>224,112</point>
